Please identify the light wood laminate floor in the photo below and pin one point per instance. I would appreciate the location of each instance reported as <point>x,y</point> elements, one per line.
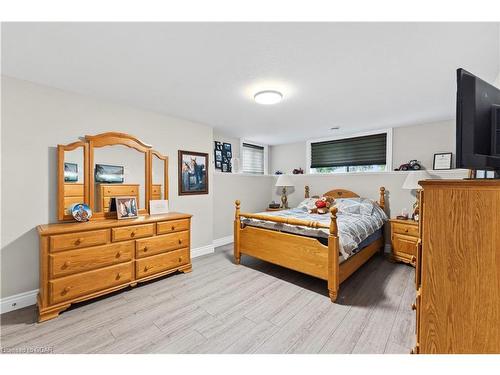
<point>224,308</point>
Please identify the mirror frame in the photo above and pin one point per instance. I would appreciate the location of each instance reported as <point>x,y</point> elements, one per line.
<point>61,149</point>
<point>97,141</point>
<point>155,153</point>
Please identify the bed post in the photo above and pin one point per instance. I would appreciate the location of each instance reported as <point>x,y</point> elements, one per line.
<point>306,191</point>
<point>381,202</point>
<point>333,257</point>
<point>237,228</point>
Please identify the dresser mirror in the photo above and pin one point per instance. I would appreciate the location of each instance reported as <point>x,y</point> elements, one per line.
<point>159,173</point>
<point>72,177</point>
<point>118,171</point>
<point>102,167</point>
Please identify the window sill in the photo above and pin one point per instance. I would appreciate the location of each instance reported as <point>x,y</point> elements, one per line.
<point>242,174</point>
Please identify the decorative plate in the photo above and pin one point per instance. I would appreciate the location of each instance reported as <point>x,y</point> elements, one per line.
<point>81,212</point>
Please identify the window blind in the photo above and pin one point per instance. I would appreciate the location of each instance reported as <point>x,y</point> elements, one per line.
<point>366,150</point>
<point>252,159</point>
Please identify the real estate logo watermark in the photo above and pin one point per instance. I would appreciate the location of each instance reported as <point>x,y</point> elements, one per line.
<point>28,350</point>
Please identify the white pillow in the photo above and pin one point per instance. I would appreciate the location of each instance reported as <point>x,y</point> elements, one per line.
<point>307,204</point>
<point>358,206</point>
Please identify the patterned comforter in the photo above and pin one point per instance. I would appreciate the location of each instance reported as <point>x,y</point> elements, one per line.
<point>352,228</point>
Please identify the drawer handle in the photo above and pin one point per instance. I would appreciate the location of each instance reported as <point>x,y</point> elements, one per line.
<point>119,254</point>
<point>180,259</point>
<point>406,230</point>
<point>119,276</point>
<point>66,264</point>
<point>65,290</point>
<point>180,241</point>
<point>413,306</point>
<point>145,248</point>
<point>146,268</point>
<point>414,259</point>
<point>78,241</point>
<point>173,227</point>
<point>132,234</point>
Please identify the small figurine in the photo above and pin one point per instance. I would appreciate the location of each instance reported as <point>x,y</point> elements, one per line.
<point>278,172</point>
<point>411,165</point>
<point>298,171</point>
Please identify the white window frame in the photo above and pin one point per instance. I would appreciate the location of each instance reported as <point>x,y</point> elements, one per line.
<point>266,155</point>
<point>388,151</point>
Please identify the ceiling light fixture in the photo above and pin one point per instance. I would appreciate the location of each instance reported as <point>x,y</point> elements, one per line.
<point>268,97</point>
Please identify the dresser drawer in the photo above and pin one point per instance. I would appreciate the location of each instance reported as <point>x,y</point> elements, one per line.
<point>117,190</point>
<point>404,245</point>
<point>79,240</point>
<point>73,190</point>
<point>131,232</point>
<point>74,261</point>
<point>172,226</point>
<point>162,262</point>
<point>160,244</point>
<point>409,230</point>
<point>74,286</point>
<point>156,189</point>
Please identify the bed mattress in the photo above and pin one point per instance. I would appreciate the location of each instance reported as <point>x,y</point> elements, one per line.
<point>353,229</point>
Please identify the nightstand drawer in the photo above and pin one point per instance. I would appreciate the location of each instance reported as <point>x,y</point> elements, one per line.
<point>406,229</point>
<point>404,245</point>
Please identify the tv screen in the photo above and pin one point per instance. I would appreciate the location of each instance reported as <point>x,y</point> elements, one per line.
<point>108,173</point>
<point>477,106</point>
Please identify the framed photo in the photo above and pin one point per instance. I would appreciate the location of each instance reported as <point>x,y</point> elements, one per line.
<point>218,155</point>
<point>442,161</point>
<point>126,207</point>
<point>108,173</point>
<point>225,167</point>
<point>218,164</point>
<point>70,172</point>
<point>193,172</point>
<point>218,145</point>
<point>228,154</point>
<point>227,147</point>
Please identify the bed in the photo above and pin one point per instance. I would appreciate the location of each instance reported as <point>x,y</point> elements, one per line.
<point>307,243</point>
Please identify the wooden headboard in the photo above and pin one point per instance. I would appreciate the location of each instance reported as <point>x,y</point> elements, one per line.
<point>342,193</point>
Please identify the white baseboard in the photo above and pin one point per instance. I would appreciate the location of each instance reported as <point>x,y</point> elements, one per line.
<point>223,241</point>
<point>199,251</point>
<point>18,301</point>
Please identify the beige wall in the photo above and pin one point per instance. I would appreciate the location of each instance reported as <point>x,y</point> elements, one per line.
<point>419,142</point>
<point>34,120</point>
<point>287,157</point>
<point>252,191</point>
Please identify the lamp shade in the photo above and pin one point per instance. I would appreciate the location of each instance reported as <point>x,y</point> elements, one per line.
<point>284,180</point>
<point>411,181</point>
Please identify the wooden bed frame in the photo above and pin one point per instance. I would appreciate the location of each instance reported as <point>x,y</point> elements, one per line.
<point>304,254</point>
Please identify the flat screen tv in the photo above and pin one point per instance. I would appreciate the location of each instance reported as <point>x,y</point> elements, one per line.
<point>478,123</point>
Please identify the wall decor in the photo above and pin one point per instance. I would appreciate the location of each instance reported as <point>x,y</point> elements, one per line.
<point>218,164</point>
<point>412,165</point>
<point>193,172</point>
<point>109,173</point>
<point>81,212</point>
<point>70,172</point>
<point>217,145</point>
<point>227,147</point>
<point>225,167</point>
<point>126,207</point>
<point>442,160</point>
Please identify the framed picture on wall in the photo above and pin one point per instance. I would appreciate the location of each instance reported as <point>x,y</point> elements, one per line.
<point>218,164</point>
<point>217,145</point>
<point>227,147</point>
<point>70,172</point>
<point>442,161</point>
<point>193,172</point>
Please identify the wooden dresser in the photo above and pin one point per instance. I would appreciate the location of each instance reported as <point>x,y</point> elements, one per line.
<point>404,238</point>
<point>156,191</point>
<point>80,261</point>
<point>105,192</point>
<point>458,267</point>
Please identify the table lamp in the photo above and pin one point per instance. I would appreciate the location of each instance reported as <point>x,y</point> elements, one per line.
<point>284,181</point>
<point>411,183</point>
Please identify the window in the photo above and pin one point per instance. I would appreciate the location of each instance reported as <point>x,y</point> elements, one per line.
<point>252,158</point>
<point>365,153</point>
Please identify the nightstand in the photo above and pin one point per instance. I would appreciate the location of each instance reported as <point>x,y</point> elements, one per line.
<point>274,209</point>
<point>404,239</point>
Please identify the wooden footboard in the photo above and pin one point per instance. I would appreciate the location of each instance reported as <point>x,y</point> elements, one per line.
<point>300,253</point>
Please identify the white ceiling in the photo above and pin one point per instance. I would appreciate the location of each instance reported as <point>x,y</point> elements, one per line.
<point>358,76</point>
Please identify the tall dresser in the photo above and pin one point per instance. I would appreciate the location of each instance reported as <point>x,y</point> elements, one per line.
<point>458,267</point>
